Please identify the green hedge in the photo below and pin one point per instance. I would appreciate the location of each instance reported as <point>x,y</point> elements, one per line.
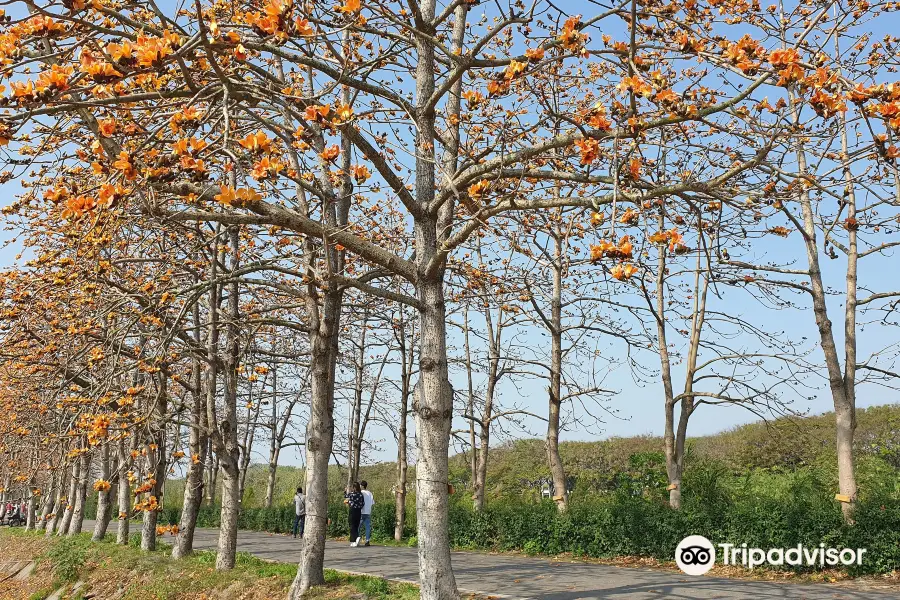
<point>762,512</point>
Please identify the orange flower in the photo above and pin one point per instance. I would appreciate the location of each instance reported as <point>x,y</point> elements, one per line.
<point>56,78</point>
<point>477,190</point>
<point>343,113</point>
<point>472,98</point>
<point>571,37</point>
<point>121,53</point>
<point>634,169</point>
<point>360,173</point>
<point>349,7</point>
<point>534,54</point>
<point>266,168</point>
<point>330,153</point>
<point>515,69</point>
<point>629,217</point>
<point>590,150</point>
<point>623,271</point>
<point>123,164</point>
<point>256,142</point>
<point>316,112</point>
<point>302,27</point>
<point>107,127</point>
<point>226,195</point>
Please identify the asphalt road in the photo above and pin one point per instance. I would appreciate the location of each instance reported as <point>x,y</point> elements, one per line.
<point>522,577</point>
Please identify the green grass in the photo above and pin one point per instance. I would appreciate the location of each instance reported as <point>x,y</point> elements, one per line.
<point>156,575</point>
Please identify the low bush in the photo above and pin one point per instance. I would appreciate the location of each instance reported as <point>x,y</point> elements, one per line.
<point>762,509</point>
<point>67,558</point>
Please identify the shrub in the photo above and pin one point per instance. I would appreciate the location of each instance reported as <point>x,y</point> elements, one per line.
<point>67,558</point>
<point>761,508</point>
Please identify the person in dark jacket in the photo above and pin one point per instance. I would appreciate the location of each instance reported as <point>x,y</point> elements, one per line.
<point>354,499</point>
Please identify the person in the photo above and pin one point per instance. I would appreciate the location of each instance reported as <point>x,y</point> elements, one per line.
<point>300,512</point>
<point>366,514</point>
<point>354,500</point>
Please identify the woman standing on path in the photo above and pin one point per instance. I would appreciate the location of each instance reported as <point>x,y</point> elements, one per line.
<point>353,498</point>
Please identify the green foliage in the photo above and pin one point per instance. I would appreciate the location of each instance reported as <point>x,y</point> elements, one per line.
<point>67,558</point>
<point>765,484</point>
<point>413,542</point>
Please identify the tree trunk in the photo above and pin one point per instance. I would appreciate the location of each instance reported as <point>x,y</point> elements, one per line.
<point>124,493</point>
<point>70,498</point>
<point>47,504</point>
<point>212,483</point>
<point>77,520</point>
<point>434,412</point>
<point>273,471</point>
<point>838,382</point>
<point>470,408</point>
<point>402,461</point>
<point>319,442</point>
<point>557,471</point>
<point>434,400</point>
<point>231,504</point>
<point>845,410</point>
<point>58,505</point>
<point>198,442</point>
<point>158,457</point>
<point>274,445</point>
<point>484,437</point>
<point>104,504</point>
<point>30,509</point>
<point>226,435</point>
<point>324,328</point>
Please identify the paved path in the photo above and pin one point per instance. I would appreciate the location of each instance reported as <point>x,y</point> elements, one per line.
<point>525,578</point>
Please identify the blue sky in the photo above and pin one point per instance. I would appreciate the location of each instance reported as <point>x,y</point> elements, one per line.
<point>639,407</point>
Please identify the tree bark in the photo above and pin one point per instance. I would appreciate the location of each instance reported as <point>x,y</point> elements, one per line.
<point>58,506</point>
<point>47,504</point>
<point>402,460</point>
<point>226,436</point>
<point>30,509</point>
<point>77,520</point>
<point>841,384</point>
<point>124,493</point>
<point>158,457</point>
<point>212,476</point>
<point>557,471</point>
<point>324,328</point>
<point>433,411</point>
<point>104,503</point>
<point>63,525</point>
<point>274,445</point>
<point>198,442</point>
<point>319,441</point>
<point>434,400</point>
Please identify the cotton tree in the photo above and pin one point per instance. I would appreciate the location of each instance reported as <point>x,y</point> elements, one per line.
<point>830,188</point>
<point>304,117</point>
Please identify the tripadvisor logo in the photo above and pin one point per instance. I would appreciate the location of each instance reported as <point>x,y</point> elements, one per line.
<point>695,555</point>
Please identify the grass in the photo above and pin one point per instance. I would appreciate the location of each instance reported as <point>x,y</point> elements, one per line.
<point>110,570</point>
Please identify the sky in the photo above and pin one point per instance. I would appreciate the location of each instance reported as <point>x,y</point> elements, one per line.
<point>636,409</point>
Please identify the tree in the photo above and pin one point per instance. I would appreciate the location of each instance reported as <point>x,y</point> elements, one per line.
<point>292,118</point>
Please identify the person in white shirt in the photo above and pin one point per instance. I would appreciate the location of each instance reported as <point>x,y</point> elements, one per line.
<point>300,511</point>
<point>366,518</point>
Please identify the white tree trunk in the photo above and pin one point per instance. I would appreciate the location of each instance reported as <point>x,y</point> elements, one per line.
<point>104,503</point>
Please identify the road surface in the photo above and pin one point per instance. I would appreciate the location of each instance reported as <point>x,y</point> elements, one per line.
<point>519,577</point>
